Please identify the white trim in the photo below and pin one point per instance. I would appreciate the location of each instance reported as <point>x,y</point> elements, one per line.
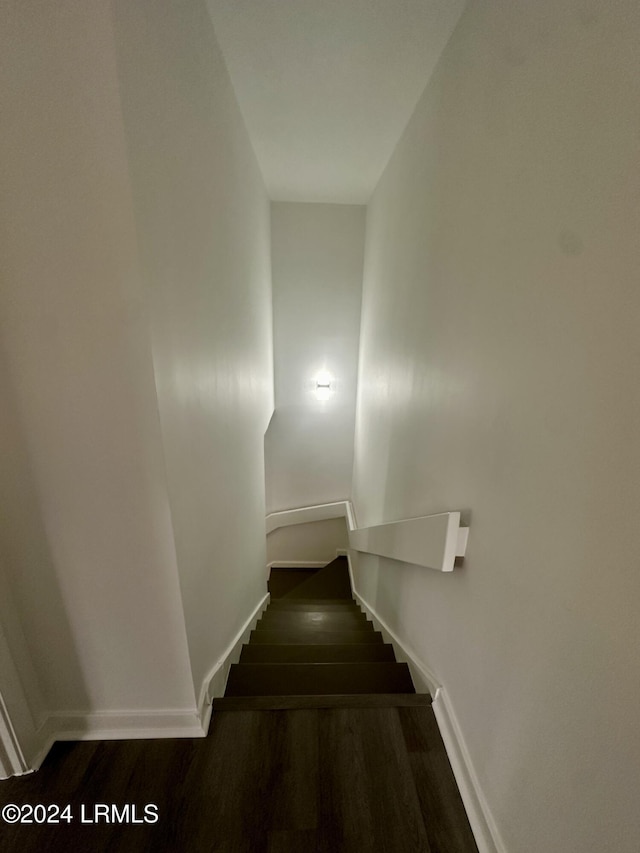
<point>149,724</point>
<point>483,825</point>
<point>307,564</point>
<point>352,579</point>
<point>352,523</point>
<point>463,541</point>
<point>19,721</point>
<point>214,682</point>
<point>12,760</point>
<point>481,820</point>
<point>304,514</point>
<point>423,678</point>
<point>117,725</point>
<point>111,725</point>
<point>433,541</point>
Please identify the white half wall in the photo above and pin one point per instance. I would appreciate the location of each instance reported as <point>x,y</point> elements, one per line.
<point>498,375</point>
<point>317,253</point>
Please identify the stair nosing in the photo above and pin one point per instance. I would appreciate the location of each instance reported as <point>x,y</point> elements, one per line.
<point>357,638</point>
<point>323,663</point>
<point>319,701</point>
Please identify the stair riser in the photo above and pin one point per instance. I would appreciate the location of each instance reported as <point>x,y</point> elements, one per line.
<point>313,637</point>
<point>282,604</point>
<point>292,679</point>
<point>302,613</point>
<point>314,621</point>
<point>309,650</point>
<point>317,653</point>
<point>330,581</point>
<point>283,703</point>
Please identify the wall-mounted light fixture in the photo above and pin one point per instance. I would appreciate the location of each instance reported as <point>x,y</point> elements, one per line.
<point>323,386</point>
<point>323,390</point>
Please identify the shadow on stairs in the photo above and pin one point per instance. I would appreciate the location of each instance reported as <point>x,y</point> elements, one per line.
<point>331,581</point>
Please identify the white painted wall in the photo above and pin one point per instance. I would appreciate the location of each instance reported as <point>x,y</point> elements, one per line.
<point>87,545</point>
<point>499,367</point>
<point>317,255</point>
<point>309,542</point>
<point>202,215</point>
<point>135,359</point>
<point>327,86</point>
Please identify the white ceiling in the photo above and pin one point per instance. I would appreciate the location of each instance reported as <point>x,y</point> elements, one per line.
<point>327,86</point>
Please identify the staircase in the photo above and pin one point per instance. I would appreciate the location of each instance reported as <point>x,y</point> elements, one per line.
<point>315,648</point>
<point>332,750</point>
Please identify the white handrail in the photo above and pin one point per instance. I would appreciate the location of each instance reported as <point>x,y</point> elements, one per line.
<point>433,541</point>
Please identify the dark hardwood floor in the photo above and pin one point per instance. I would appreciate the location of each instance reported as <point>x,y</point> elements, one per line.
<point>318,769</point>
<point>326,780</point>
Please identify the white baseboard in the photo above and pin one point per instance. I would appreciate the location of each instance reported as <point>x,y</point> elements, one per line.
<point>215,680</point>
<point>116,725</point>
<point>482,823</point>
<point>307,564</point>
<point>125,725</point>
<point>42,753</point>
<point>424,679</point>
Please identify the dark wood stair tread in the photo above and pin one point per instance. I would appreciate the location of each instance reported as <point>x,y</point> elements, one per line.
<point>303,679</point>
<point>338,600</point>
<point>314,620</point>
<point>313,636</point>
<point>348,700</point>
<point>338,605</point>
<point>306,653</point>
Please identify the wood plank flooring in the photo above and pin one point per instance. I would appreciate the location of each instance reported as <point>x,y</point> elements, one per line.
<point>336,780</point>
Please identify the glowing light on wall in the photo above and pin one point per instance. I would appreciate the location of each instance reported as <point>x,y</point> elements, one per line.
<point>323,386</point>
